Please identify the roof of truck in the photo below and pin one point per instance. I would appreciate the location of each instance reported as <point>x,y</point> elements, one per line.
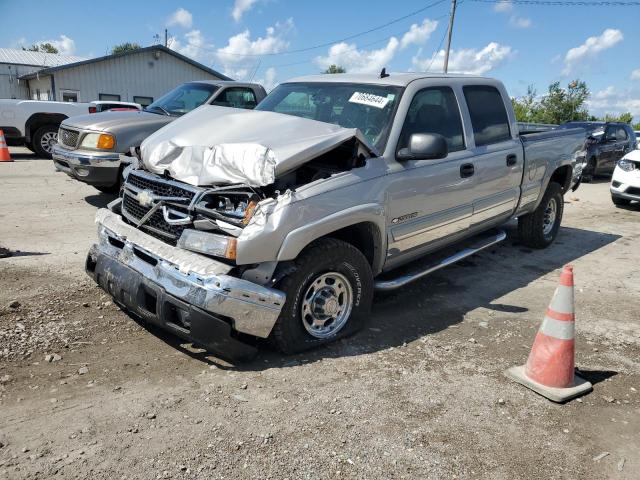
<point>396,79</point>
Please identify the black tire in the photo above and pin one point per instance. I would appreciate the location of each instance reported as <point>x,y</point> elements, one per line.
<point>590,170</point>
<point>324,256</point>
<point>621,202</point>
<point>29,147</point>
<point>531,227</point>
<point>37,139</point>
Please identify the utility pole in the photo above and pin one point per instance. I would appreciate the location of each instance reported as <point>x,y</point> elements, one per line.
<point>166,38</point>
<point>449,34</point>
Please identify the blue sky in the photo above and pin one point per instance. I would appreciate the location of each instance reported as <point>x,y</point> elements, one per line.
<point>520,44</point>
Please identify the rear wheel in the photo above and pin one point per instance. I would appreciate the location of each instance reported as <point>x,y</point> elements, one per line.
<point>329,296</point>
<point>539,228</point>
<point>621,202</point>
<point>44,139</point>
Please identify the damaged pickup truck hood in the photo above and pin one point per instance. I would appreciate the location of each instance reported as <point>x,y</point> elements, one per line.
<point>219,145</point>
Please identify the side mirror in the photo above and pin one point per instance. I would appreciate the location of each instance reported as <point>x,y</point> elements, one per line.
<point>424,146</point>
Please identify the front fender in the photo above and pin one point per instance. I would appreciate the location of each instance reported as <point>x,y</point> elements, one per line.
<point>296,240</point>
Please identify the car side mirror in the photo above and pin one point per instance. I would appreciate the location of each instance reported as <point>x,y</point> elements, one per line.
<point>424,146</point>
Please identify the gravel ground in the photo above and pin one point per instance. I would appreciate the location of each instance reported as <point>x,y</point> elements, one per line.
<point>86,392</point>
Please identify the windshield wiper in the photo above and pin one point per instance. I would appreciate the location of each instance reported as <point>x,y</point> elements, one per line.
<point>166,112</point>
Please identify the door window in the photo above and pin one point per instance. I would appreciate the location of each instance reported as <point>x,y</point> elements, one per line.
<point>236,98</point>
<point>621,134</point>
<point>144,101</point>
<point>434,110</point>
<point>488,114</point>
<point>69,96</point>
<point>109,96</point>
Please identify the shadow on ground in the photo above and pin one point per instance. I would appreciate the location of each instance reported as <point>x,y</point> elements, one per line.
<point>100,200</point>
<point>438,301</point>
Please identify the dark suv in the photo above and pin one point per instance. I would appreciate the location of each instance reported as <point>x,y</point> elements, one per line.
<point>606,144</point>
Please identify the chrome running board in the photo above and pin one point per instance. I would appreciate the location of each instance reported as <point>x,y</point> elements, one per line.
<point>415,274</point>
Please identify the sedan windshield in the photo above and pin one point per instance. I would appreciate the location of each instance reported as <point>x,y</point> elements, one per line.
<point>182,99</point>
<point>369,108</point>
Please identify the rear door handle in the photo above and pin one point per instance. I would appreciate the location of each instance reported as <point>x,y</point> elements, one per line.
<point>467,170</point>
<point>512,159</point>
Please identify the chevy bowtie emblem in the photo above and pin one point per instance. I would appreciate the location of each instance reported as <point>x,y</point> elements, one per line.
<point>145,198</point>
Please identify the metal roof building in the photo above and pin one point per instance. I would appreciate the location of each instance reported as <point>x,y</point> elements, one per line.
<point>140,76</point>
<point>16,63</point>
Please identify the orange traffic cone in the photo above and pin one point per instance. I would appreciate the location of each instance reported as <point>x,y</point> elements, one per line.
<point>550,367</point>
<point>4,150</point>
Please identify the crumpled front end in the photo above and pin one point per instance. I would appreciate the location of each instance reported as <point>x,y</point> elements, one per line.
<point>193,296</point>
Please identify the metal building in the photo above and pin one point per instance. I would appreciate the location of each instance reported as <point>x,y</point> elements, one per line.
<point>17,63</point>
<point>139,76</point>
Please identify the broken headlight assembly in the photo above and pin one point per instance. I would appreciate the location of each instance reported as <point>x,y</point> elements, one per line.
<point>234,206</point>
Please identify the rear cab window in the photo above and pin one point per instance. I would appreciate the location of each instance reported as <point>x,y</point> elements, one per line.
<point>488,114</point>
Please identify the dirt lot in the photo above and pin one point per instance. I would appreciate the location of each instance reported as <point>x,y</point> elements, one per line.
<point>419,393</point>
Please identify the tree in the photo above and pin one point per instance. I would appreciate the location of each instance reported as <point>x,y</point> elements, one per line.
<point>623,117</point>
<point>563,105</point>
<point>125,47</point>
<point>335,69</point>
<point>45,47</point>
<point>526,107</point>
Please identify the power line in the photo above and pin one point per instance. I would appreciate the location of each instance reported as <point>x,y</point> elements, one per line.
<point>344,39</point>
<point>564,3</point>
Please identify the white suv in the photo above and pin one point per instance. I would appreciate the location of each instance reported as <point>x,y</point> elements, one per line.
<point>625,183</point>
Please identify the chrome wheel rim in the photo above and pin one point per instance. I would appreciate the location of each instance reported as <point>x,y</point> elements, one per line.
<point>550,214</point>
<point>326,305</point>
<point>48,140</point>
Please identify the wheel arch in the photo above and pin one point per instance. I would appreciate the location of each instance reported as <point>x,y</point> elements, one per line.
<point>362,226</point>
<point>37,120</point>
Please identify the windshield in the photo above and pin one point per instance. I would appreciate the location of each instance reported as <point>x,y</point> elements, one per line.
<point>182,99</point>
<point>369,108</point>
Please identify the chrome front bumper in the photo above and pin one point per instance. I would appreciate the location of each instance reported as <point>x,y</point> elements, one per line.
<point>195,279</point>
<point>82,158</point>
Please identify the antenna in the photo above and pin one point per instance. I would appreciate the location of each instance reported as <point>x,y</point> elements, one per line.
<point>383,73</point>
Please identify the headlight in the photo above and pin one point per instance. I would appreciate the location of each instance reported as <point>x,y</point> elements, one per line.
<point>101,141</point>
<point>208,243</point>
<point>626,165</point>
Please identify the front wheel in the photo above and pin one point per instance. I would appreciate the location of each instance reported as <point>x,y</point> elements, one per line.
<point>329,296</point>
<point>44,139</point>
<point>539,228</point>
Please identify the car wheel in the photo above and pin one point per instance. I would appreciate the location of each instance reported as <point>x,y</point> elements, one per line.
<point>621,202</point>
<point>539,228</point>
<point>590,170</point>
<point>44,139</point>
<point>329,296</point>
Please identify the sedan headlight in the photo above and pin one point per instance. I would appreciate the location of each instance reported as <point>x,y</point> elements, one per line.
<point>100,141</point>
<point>627,165</point>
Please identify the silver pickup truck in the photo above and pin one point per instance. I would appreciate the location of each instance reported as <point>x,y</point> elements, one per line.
<point>281,222</point>
<point>89,146</point>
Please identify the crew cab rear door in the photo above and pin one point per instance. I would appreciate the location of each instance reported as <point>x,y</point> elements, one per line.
<point>497,153</point>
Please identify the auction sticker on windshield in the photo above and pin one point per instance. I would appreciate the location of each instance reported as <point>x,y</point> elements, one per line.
<point>369,99</point>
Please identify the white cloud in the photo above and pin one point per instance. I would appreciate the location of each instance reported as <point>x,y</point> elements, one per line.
<point>181,17</point>
<point>635,75</point>
<point>591,48</point>
<point>240,7</point>
<point>418,34</point>
<point>505,6</point>
<point>269,81</point>
<point>520,22</point>
<point>241,54</point>
<point>359,61</point>
<point>469,60</point>
<point>193,45</point>
<point>614,101</point>
<point>65,45</point>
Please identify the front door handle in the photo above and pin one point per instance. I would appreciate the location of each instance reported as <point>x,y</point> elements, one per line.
<point>512,159</point>
<point>467,170</point>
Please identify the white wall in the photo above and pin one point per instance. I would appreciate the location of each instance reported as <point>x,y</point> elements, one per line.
<point>128,76</point>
